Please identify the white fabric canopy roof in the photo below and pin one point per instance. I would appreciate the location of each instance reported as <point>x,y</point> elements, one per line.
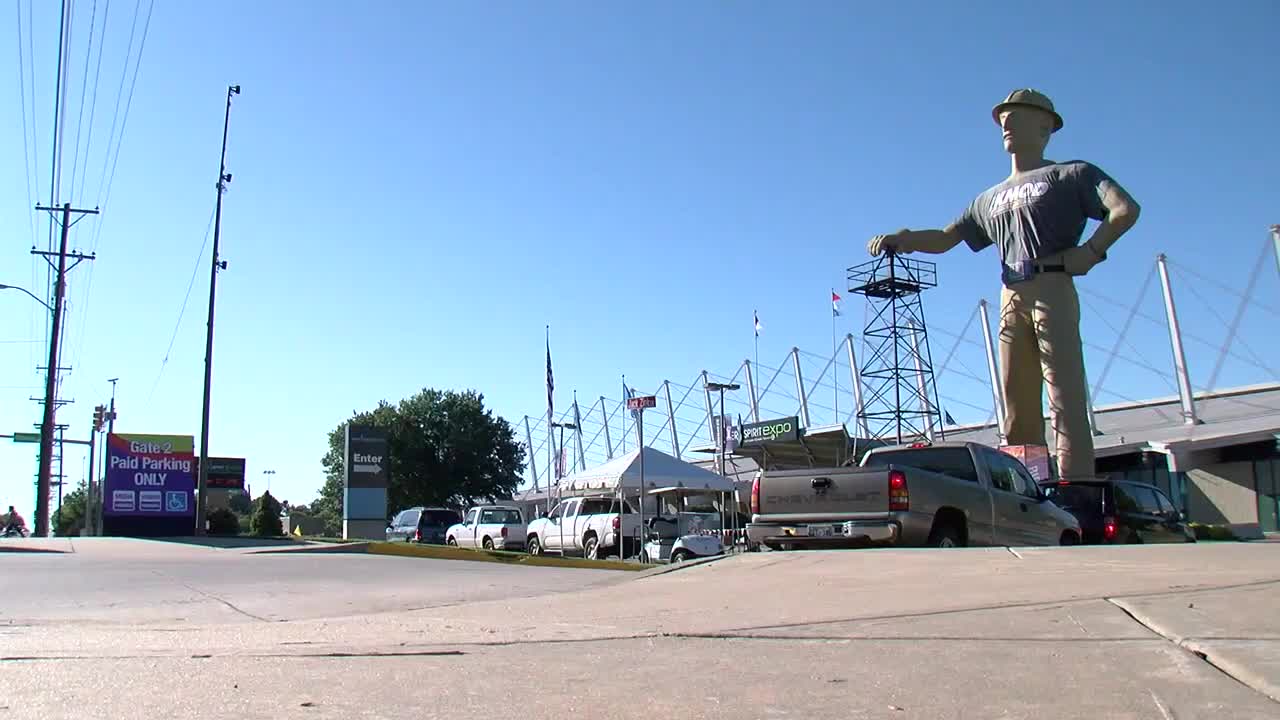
<point>660,471</point>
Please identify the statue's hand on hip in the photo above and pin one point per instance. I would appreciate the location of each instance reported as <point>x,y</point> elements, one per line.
<point>1079,260</point>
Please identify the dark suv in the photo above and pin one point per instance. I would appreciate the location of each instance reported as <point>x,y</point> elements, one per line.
<point>424,525</point>
<point>1120,511</point>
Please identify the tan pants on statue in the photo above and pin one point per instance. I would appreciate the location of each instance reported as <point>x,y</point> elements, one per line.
<point>1040,350</point>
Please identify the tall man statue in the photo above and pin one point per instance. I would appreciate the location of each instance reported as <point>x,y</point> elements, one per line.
<point>1035,218</point>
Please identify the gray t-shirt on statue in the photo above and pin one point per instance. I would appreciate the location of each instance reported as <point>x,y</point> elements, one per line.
<point>1036,215</point>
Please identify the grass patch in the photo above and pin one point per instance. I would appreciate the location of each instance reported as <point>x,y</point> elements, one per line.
<point>444,552</point>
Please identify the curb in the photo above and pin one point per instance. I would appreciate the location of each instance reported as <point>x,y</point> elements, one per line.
<point>352,548</point>
<point>496,556</point>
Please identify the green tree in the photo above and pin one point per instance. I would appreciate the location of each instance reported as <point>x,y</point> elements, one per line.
<point>446,449</point>
<point>239,502</point>
<point>266,517</point>
<point>69,519</point>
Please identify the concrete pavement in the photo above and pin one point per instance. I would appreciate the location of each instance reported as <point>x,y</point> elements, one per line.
<point>1060,633</point>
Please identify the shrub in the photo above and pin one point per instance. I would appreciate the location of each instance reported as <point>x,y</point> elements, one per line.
<point>265,521</point>
<point>223,522</point>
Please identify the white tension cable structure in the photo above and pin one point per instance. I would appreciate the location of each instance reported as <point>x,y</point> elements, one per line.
<point>811,386</point>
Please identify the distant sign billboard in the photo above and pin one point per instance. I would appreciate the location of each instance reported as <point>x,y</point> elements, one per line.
<point>225,473</point>
<point>780,430</point>
<point>150,476</point>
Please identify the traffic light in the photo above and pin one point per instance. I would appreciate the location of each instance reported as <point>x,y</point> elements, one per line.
<point>99,417</point>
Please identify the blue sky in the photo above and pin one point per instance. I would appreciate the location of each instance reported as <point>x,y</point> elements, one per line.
<point>420,188</point>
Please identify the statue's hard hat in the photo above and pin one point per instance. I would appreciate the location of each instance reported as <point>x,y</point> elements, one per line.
<point>1028,98</point>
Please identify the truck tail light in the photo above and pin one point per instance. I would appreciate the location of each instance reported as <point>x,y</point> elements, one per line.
<point>899,497</point>
<point>1108,528</point>
<point>504,532</point>
<point>755,496</point>
<point>417,535</point>
<point>617,522</point>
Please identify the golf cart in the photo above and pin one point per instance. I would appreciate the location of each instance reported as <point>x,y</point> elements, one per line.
<point>683,535</point>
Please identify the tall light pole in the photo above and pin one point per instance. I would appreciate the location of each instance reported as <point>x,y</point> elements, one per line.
<point>224,177</point>
<point>111,412</point>
<point>268,473</point>
<point>559,492</point>
<point>723,445</point>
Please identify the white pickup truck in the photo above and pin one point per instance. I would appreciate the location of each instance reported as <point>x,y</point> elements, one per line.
<point>587,525</point>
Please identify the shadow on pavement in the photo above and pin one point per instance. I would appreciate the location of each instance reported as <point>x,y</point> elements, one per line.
<point>230,542</point>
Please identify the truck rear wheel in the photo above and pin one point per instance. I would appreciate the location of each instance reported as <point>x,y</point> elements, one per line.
<point>945,535</point>
<point>591,547</point>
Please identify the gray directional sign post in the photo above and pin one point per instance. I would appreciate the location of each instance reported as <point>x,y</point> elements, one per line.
<point>364,499</point>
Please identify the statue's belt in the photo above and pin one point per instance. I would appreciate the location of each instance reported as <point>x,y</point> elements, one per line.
<point>1027,269</point>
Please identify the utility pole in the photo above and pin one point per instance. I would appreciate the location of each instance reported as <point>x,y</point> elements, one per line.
<point>223,178</point>
<point>51,372</point>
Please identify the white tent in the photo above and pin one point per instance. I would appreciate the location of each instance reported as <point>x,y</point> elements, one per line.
<point>660,471</point>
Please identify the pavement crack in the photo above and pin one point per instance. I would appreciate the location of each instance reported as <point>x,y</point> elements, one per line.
<point>1013,552</point>
<point>1168,714</point>
<point>1188,646</point>
<point>211,596</point>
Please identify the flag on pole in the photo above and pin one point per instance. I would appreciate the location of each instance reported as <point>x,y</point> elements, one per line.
<point>835,306</point>
<point>627,394</point>
<point>946,416</point>
<point>551,384</point>
<point>756,316</point>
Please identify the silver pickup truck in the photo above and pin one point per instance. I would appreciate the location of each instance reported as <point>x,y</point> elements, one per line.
<point>939,495</point>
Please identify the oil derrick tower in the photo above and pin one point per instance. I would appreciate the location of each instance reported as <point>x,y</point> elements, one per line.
<point>900,396</point>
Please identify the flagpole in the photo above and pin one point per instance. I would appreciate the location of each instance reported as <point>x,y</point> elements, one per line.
<point>551,445</point>
<point>756,317</point>
<point>835,376</point>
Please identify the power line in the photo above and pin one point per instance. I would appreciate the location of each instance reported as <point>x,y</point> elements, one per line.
<point>84,87</point>
<point>110,179</point>
<point>93,103</point>
<point>194,271</point>
<point>115,115</point>
<point>125,122</point>
<point>26,155</point>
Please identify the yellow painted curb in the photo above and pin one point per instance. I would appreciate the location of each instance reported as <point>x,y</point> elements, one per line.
<point>440,552</point>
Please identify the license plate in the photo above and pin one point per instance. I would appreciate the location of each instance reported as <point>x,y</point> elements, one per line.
<point>821,531</point>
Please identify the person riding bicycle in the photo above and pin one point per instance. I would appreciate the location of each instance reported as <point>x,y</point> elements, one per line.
<point>14,522</point>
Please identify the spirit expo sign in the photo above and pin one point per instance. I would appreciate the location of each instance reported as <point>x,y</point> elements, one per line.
<point>780,430</point>
<point>150,476</point>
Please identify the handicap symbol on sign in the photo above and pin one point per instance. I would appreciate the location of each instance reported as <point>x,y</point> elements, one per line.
<point>175,502</point>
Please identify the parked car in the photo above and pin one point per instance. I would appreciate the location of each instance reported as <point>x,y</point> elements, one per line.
<point>587,525</point>
<point>491,527</point>
<point>923,494</point>
<point>433,524</point>
<point>1120,511</point>
<point>421,524</point>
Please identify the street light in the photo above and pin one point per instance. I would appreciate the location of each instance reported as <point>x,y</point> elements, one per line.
<point>562,427</point>
<point>723,445</point>
<point>28,292</point>
<point>559,492</point>
<point>268,473</point>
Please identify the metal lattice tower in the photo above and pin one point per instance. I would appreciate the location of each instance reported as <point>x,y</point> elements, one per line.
<point>900,397</point>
